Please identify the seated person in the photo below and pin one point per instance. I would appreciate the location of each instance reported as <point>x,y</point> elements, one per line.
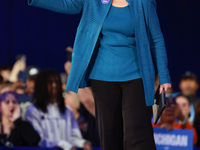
<point>54,122</point>
<point>189,86</point>
<point>184,105</point>
<point>6,86</point>
<point>25,99</point>
<point>14,131</point>
<point>29,78</point>
<point>172,112</point>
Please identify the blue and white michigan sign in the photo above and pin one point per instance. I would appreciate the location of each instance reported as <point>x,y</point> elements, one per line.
<point>173,140</point>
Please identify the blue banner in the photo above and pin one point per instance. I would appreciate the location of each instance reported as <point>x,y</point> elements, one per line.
<point>173,140</point>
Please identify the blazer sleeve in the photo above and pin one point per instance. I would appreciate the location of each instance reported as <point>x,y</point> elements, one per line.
<point>60,6</point>
<point>157,43</point>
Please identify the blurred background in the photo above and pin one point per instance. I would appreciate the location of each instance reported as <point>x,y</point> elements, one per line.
<point>43,35</point>
<point>33,39</point>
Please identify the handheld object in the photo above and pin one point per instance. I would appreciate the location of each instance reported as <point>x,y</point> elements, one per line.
<point>159,104</point>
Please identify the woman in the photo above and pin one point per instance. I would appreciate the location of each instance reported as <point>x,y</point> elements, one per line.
<point>131,38</point>
<point>14,131</point>
<point>54,122</point>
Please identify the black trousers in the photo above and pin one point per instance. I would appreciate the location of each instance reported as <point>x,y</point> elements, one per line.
<point>123,119</point>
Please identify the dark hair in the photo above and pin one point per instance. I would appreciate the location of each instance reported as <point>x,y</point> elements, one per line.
<point>41,95</point>
<point>4,94</point>
<point>182,95</point>
<point>1,79</point>
<point>197,113</point>
<point>5,84</point>
<point>5,67</point>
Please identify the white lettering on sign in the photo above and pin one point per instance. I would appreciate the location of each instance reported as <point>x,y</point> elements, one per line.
<point>171,139</point>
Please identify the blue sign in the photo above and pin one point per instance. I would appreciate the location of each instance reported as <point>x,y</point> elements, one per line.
<point>173,140</point>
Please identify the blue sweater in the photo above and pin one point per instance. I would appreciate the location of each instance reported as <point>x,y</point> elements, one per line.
<point>150,43</point>
<point>117,58</point>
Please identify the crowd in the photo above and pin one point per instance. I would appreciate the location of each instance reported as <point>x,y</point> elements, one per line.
<point>36,110</point>
<point>182,107</point>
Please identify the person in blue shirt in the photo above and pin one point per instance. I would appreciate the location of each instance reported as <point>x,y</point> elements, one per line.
<point>118,50</point>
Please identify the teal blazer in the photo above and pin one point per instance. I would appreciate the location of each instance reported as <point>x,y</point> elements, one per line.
<point>149,40</point>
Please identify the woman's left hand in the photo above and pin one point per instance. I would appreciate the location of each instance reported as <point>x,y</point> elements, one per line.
<point>166,86</point>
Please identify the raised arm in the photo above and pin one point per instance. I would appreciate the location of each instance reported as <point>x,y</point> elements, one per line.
<point>157,43</point>
<point>61,6</point>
